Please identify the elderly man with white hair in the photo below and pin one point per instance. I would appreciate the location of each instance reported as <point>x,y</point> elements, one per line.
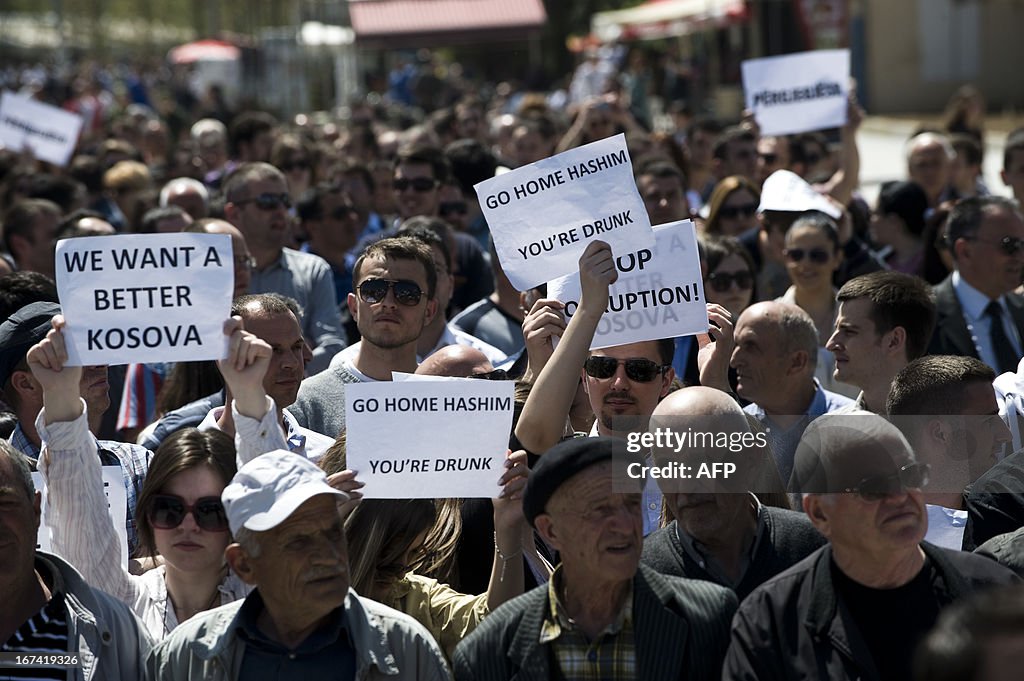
<point>930,159</point>
<point>190,195</point>
<point>301,620</point>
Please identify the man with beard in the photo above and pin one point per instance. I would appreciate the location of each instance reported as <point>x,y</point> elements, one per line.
<point>395,283</point>
<point>624,382</point>
<point>23,392</point>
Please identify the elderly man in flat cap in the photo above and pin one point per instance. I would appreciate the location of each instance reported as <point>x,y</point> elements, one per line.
<point>857,607</point>
<point>301,621</point>
<point>602,615</point>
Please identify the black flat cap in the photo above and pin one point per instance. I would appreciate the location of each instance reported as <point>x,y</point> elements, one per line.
<point>21,331</point>
<point>560,463</point>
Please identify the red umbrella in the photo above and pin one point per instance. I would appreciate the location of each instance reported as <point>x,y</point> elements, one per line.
<point>203,50</point>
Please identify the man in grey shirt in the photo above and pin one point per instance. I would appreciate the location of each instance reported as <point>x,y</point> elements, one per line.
<point>395,283</point>
<point>257,202</point>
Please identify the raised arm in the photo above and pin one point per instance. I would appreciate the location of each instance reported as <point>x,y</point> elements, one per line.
<point>841,185</point>
<point>76,507</point>
<point>544,415</point>
<point>257,423</point>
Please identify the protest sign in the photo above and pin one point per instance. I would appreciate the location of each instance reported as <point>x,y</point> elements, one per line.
<point>50,133</point>
<point>542,216</point>
<point>145,297</point>
<point>659,292</point>
<point>428,439</point>
<point>117,499</point>
<point>798,92</point>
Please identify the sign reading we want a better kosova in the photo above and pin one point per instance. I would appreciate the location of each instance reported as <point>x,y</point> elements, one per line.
<point>798,92</point>
<point>145,297</point>
<point>428,439</point>
<point>542,216</point>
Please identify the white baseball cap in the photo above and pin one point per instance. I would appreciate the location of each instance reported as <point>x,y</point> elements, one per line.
<point>268,489</point>
<point>784,190</point>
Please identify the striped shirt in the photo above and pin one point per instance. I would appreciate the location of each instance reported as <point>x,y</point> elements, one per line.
<point>610,656</point>
<point>45,632</point>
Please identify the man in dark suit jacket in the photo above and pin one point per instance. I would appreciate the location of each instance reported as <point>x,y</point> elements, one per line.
<point>601,615</point>
<point>978,315</point>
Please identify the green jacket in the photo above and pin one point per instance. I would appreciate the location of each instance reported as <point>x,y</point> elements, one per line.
<point>389,645</point>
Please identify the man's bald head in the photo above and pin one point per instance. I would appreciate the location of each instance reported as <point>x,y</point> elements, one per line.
<point>459,361</point>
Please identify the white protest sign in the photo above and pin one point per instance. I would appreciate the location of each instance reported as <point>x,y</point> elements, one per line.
<point>117,499</point>
<point>542,216</point>
<point>145,297</point>
<point>659,292</point>
<point>50,133</point>
<point>798,92</point>
<point>421,439</point>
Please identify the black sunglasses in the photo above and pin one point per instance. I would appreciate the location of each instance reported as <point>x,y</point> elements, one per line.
<point>374,291</point>
<point>1008,245</point>
<point>169,512</point>
<point>267,201</point>
<point>876,488</point>
<point>723,281</point>
<point>452,208</point>
<point>294,165</point>
<point>746,210</point>
<point>818,256</point>
<point>637,368</point>
<point>420,184</point>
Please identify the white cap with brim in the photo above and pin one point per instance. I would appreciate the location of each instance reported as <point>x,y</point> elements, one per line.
<point>268,489</point>
<point>786,191</point>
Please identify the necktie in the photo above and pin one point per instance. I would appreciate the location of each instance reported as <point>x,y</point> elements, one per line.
<point>1006,358</point>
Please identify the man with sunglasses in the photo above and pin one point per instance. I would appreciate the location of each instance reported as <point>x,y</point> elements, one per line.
<point>331,222</point>
<point>624,382</point>
<point>857,607</point>
<point>947,409</point>
<point>979,315</point>
<point>394,300</point>
<point>256,201</point>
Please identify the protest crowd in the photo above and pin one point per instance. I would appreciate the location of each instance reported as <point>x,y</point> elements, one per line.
<point>206,518</point>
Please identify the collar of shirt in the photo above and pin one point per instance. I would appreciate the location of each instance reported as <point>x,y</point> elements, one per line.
<point>972,301</point>
<point>280,264</point>
<point>698,553</point>
<point>557,619</point>
<point>248,628</point>
<point>817,407</point>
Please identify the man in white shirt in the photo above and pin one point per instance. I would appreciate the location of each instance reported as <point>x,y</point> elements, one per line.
<point>946,407</point>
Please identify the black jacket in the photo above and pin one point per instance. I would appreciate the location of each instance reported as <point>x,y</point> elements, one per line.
<point>680,627</point>
<point>789,538</point>
<point>995,502</point>
<point>951,336</point>
<point>795,627</point>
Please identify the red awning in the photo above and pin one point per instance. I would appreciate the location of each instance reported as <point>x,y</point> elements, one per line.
<point>377,20</point>
<point>203,50</point>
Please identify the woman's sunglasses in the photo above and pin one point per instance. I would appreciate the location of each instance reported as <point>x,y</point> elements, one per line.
<point>169,512</point>
<point>747,210</point>
<point>819,256</point>
<point>723,281</point>
<point>637,369</point>
<point>374,291</point>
